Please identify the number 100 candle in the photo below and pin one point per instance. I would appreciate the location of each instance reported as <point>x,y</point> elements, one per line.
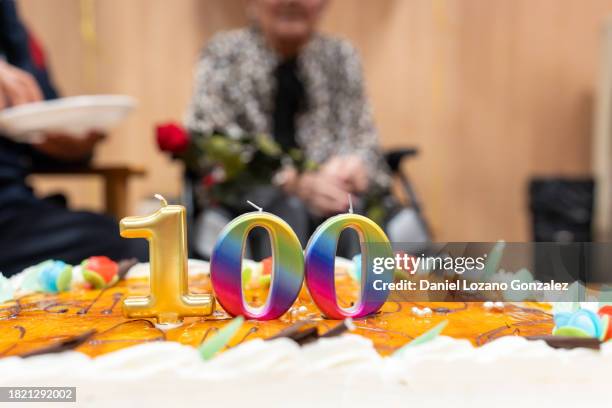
<point>169,299</point>
<point>287,271</point>
<point>320,265</point>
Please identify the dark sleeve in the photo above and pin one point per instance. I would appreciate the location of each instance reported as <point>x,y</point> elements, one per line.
<point>16,45</point>
<point>19,49</point>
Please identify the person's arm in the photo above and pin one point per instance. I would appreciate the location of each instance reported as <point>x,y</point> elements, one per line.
<point>17,86</point>
<point>22,50</point>
<point>24,79</point>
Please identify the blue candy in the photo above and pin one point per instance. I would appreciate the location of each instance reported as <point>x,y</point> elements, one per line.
<point>587,321</point>
<point>49,272</point>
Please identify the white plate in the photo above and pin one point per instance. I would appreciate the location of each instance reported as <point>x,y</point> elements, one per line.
<point>74,115</point>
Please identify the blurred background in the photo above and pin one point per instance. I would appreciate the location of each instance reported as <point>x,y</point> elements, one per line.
<point>492,92</point>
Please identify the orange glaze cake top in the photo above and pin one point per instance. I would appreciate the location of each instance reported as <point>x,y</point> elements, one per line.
<point>38,322</point>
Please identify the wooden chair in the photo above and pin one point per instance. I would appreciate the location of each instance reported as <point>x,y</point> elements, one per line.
<point>115,183</point>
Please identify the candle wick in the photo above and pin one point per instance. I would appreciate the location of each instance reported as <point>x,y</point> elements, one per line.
<point>260,209</point>
<point>161,198</point>
<point>350,203</point>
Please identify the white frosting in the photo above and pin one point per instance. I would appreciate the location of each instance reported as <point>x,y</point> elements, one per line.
<point>342,371</point>
<point>345,369</point>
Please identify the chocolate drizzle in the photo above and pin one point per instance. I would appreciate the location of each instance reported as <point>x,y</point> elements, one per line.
<point>304,332</point>
<point>568,343</point>
<point>299,333</point>
<point>251,330</point>
<point>86,309</point>
<point>13,310</point>
<point>208,332</point>
<point>160,337</point>
<point>116,298</point>
<point>66,344</point>
<point>398,308</point>
<point>57,307</point>
<point>344,326</point>
<point>124,267</point>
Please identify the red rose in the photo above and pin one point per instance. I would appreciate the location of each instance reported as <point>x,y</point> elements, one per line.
<point>208,180</point>
<point>172,138</point>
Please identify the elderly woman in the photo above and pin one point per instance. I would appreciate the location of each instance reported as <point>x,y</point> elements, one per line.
<point>280,77</point>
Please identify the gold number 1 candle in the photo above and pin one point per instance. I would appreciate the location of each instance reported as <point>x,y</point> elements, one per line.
<point>169,299</point>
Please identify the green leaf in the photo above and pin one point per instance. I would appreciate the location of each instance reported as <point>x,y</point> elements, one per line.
<point>424,338</point>
<point>268,146</point>
<point>220,339</point>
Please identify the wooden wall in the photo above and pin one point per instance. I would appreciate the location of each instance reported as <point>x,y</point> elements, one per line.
<point>491,91</point>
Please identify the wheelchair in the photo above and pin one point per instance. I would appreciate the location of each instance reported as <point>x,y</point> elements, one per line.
<point>407,222</point>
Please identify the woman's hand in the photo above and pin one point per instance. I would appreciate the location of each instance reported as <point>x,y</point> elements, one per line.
<point>17,86</point>
<point>68,148</point>
<point>350,171</point>
<point>323,194</point>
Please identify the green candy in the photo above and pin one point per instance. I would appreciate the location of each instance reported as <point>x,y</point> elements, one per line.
<point>94,278</point>
<point>247,274</point>
<point>265,279</point>
<point>569,331</point>
<point>64,279</point>
<point>215,343</point>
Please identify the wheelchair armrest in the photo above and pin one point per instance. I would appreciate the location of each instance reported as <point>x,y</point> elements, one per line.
<point>394,157</point>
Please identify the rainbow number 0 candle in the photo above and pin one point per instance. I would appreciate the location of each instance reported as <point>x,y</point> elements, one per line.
<point>287,272</point>
<point>320,265</point>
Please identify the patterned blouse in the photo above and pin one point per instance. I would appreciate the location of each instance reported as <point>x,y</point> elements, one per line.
<point>234,94</point>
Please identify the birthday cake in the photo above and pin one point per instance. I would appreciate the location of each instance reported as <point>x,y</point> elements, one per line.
<point>67,328</point>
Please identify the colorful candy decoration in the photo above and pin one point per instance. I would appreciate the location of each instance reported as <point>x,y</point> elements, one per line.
<point>287,271</point>
<point>581,323</point>
<point>6,289</point>
<point>100,271</point>
<point>606,311</point>
<point>426,337</point>
<point>494,306</point>
<point>220,339</point>
<point>320,266</point>
<point>257,275</point>
<point>54,276</point>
